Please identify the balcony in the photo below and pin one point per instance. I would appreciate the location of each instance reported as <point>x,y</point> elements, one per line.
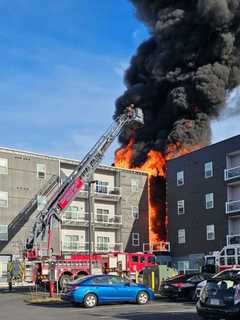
<point>108,219</point>
<point>114,193</point>
<point>75,218</point>
<point>233,239</point>
<point>233,206</point>
<point>108,247</point>
<point>75,246</point>
<point>232,173</point>
<point>162,246</point>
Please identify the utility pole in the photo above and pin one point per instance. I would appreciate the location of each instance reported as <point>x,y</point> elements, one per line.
<point>90,222</point>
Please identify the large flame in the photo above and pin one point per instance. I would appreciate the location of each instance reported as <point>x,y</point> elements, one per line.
<point>155,166</point>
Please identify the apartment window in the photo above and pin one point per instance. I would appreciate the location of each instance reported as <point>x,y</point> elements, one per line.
<point>72,241</point>
<point>135,239</point>
<point>41,171</point>
<point>209,199</point>
<point>208,169</point>
<point>134,185</point>
<point>181,207</point>
<point>3,232</point>
<point>3,166</point>
<point>135,212</point>
<point>180,178</point>
<point>181,236</point>
<point>71,213</point>
<point>103,243</point>
<point>211,232</point>
<point>3,199</point>
<point>102,186</point>
<point>183,266</point>
<point>102,215</point>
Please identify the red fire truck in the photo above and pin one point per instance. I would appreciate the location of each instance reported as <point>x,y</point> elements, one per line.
<point>72,267</point>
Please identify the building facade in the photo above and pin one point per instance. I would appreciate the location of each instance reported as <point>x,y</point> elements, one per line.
<point>119,205</point>
<point>203,200</point>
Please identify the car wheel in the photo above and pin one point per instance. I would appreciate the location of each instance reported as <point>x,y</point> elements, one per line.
<point>142,297</point>
<point>90,300</point>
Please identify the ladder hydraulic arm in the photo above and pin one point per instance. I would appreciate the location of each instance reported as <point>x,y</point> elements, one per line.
<point>64,195</point>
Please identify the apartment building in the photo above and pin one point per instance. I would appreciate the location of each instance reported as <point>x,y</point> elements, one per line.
<point>119,205</point>
<point>203,199</point>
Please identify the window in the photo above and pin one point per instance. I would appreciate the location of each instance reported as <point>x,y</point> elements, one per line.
<point>3,199</point>
<point>100,280</point>
<point>134,258</point>
<point>135,212</point>
<point>41,171</point>
<point>102,215</point>
<point>103,243</point>
<point>134,185</point>
<point>180,207</point>
<point>180,178</point>
<point>71,213</point>
<point>3,166</point>
<point>72,241</point>
<point>208,169</point>
<point>211,232</point>
<point>209,200</point>
<point>135,239</point>
<point>181,236</point>
<point>3,232</point>
<point>183,265</point>
<point>142,259</point>
<point>102,186</point>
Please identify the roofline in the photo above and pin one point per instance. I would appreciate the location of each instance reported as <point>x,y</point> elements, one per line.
<point>74,161</point>
<point>212,145</point>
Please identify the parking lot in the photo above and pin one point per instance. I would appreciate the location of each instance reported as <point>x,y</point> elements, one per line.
<point>13,306</point>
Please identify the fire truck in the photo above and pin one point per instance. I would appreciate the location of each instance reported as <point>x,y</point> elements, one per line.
<point>62,268</point>
<point>228,257</point>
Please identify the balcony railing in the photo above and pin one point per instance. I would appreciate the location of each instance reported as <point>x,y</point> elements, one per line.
<point>233,239</point>
<point>232,173</point>
<point>107,219</point>
<point>232,206</point>
<point>162,246</point>
<point>107,191</point>
<point>109,247</point>
<point>75,218</point>
<point>76,246</point>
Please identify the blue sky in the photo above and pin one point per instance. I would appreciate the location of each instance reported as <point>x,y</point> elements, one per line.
<point>61,69</point>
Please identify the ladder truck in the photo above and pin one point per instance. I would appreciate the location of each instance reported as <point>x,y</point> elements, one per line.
<point>67,191</point>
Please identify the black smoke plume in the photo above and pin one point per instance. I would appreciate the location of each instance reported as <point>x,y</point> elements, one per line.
<point>181,75</point>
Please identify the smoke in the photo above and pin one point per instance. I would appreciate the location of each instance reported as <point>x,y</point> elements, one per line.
<point>181,75</point>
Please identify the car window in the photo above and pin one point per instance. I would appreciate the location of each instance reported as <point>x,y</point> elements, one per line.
<point>134,258</point>
<point>151,259</point>
<point>100,280</point>
<point>142,259</point>
<point>115,280</point>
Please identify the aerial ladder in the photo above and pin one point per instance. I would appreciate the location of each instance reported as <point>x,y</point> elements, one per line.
<point>83,172</point>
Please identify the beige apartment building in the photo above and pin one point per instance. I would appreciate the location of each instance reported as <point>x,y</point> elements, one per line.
<point>119,201</point>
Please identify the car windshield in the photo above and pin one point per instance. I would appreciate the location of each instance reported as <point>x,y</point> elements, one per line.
<point>222,288</point>
<point>80,280</point>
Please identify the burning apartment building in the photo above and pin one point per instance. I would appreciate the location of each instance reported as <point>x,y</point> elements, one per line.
<point>180,77</point>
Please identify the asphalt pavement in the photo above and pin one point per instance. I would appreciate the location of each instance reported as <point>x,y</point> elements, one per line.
<point>13,306</point>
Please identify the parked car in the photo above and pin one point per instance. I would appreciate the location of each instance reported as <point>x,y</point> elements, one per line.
<point>94,290</point>
<point>182,286</point>
<point>223,274</point>
<point>220,298</point>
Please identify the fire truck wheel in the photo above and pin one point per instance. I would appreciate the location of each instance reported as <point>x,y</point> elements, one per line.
<point>64,279</point>
<point>90,300</point>
<point>142,297</point>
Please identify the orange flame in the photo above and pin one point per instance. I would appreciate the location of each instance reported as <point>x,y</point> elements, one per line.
<point>155,166</point>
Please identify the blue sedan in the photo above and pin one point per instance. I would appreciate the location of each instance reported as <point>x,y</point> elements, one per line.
<point>94,290</point>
